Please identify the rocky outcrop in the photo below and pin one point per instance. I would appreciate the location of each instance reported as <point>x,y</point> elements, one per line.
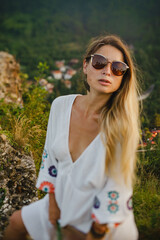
<point>10,82</point>
<point>17,181</point>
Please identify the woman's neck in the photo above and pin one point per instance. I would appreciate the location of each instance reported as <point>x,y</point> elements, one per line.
<point>93,103</point>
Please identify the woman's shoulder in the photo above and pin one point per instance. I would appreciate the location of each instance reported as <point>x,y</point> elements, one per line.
<point>62,101</point>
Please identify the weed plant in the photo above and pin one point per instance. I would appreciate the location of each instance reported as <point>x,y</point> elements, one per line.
<point>147,194</point>
<point>26,126</point>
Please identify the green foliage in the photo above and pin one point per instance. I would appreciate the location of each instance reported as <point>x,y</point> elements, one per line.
<point>146,208</point>
<point>78,83</point>
<point>26,126</point>
<point>157,120</point>
<point>147,194</point>
<point>36,107</point>
<point>42,71</point>
<point>6,113</point>
<point>45,32</point>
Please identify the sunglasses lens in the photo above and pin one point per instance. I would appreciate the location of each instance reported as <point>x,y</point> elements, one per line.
<point>98,62</point>
<point>118,68</point>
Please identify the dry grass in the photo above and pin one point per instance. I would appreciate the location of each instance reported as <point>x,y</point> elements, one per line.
<point>24,134</point>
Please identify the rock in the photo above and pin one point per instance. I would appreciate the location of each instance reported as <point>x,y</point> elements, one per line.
<point>10,82</point>
<point>3,137</point>
<point>17,181</point>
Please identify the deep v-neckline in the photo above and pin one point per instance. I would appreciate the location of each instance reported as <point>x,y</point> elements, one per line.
<point>68,133</point>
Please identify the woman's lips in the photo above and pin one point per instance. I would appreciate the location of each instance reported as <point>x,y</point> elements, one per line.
<point>104,82</point>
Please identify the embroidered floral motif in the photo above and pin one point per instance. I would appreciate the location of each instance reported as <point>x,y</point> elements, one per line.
<point>94,218</point>
<point>113,195</point>
<point>42,165</point>
<point>113,225</point>
<point>47,187</point>
<point>96,203</point>
<point>113,202</point>
<point>44,156</point>
<point>116,224</point>
<point>113,208</point>
<point>130,203</point>
<point>52,171</point>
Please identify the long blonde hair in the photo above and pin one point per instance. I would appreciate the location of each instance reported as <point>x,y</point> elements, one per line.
<point>120,117</point>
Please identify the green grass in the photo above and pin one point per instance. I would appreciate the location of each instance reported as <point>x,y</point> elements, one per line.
<point>147,196</point>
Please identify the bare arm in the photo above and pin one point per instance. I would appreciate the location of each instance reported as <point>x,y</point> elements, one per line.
<point>54,211</point>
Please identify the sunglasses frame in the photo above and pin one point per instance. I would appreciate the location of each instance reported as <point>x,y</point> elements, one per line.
<point>107,63</point>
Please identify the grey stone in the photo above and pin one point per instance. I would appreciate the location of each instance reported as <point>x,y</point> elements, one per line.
<point>17,181</point>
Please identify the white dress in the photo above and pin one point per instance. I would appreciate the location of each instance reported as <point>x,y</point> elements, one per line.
<point>83,191</point>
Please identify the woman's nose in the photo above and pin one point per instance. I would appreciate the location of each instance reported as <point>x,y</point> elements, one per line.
<point>107,69</point>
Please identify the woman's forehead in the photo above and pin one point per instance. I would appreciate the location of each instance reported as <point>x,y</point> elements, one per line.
<point>110,52</point>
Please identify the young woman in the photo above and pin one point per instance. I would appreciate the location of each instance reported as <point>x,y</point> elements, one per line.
<point>89,160</point>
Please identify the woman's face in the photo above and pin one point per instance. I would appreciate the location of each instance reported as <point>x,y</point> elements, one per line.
<point>103,80</point>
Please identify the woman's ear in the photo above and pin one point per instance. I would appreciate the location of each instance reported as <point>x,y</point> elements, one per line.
<point>85,64</point>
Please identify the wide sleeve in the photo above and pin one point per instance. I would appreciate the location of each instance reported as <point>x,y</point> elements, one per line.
<point>49,166</point>
<point>112,204</point>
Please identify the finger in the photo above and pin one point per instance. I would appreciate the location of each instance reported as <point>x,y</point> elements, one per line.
<point>53,221</point>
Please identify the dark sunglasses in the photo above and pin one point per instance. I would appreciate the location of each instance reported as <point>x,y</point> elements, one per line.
<point>99,62</point>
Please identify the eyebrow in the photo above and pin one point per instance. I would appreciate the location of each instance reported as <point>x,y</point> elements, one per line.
<point>107,58</point>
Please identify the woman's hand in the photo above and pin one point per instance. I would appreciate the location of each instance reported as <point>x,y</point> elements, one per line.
<point>54,211</point>
<point>100,229</point>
